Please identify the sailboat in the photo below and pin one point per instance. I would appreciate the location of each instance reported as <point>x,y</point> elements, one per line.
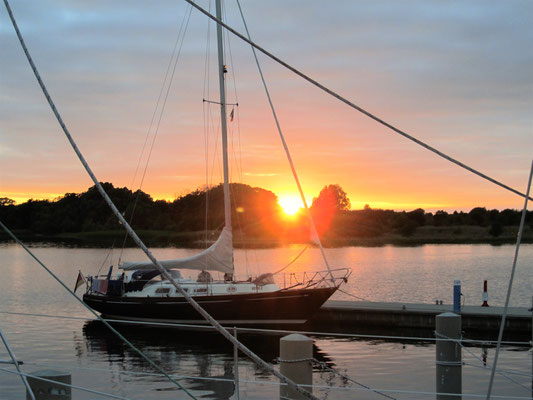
<point>141,293</point>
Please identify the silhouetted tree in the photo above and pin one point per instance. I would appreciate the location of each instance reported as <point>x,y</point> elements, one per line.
<point>255,214</point>
<point>6,201</point>
<point>479,216</point>
<point>331,200</point>
<point>417,216</point>
<point>441,218</point>
<point>332,197</point>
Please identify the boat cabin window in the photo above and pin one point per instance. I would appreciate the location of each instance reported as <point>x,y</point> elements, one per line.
<point>162,290</point>
<point>201,290</point>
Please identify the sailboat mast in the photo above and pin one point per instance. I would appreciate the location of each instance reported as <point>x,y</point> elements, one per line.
<point>223,121</point>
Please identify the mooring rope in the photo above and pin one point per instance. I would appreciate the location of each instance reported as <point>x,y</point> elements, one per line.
<point>353,105</point>
<point>139,242</point>
<point>352,295</point>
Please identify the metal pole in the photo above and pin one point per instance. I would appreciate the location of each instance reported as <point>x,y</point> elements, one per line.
<point>223,119</point>
<point>448,355</point>
<point>457,296</point>
<point>16,363</point>
<point>485,295</point>
<point>236,364</point>
<point>296,363</point>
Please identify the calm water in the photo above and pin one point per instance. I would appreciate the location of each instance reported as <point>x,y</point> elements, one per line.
<point>407,274</point>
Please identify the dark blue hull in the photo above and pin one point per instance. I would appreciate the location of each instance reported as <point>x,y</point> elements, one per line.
<point>281,307</point>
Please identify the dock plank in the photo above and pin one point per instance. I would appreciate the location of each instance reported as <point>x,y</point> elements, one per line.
<point>354,316</point>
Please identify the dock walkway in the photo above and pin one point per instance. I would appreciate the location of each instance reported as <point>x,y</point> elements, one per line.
<point>357,316</point>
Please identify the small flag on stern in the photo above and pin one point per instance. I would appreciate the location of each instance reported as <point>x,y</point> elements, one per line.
<point>79,281</point>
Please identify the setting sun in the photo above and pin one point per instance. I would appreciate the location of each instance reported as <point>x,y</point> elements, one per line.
<point>290,204</point>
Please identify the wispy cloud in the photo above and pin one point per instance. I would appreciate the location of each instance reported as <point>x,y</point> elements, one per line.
<point>458,74</point>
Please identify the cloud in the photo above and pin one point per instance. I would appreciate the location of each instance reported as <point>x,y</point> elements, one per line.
<point>458,74</point>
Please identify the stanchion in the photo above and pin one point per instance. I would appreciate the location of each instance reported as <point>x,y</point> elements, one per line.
<point>448,355</point>
<point>236,365</point>
<point>296,363</point>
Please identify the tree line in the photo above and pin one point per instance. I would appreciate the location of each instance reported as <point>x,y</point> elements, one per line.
<point>256,214</point>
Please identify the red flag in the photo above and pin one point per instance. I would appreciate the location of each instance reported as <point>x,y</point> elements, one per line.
<point>79,281</point>
<point>231,115</point>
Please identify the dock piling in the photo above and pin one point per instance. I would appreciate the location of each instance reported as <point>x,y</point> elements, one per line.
<point>448,357</point>
<point>296,363</point>
<point>46,390</point>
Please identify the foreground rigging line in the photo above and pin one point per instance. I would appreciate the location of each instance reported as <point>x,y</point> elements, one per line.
<point>513,269</point>
<point>272,331</point>
<point>118,334</point>
<point>271,383</point>
<point>324,366</point>
<point>353,105</point>
<point>258,360</point>
<point>65,384</point>
<point>15,362</point>
<point>501,372</point>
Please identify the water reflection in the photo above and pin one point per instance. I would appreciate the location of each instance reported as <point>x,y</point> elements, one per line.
<point>180,352</point>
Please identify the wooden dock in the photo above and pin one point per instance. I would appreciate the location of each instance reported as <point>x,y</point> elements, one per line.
<point>383,318</point>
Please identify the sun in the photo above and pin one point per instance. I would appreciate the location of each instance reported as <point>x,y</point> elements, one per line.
<point>290,204</point>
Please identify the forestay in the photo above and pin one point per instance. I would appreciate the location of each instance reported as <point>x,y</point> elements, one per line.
<point>218,257</point>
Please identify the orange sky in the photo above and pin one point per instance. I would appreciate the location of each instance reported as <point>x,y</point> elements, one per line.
<point>443,79</point>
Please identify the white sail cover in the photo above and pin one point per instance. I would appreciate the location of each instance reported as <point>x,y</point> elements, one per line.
<point>218,257</point>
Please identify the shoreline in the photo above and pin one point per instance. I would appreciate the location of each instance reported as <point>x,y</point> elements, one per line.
<point>423,236</point>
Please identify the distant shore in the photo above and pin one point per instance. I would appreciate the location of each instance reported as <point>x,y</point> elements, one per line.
<point>423,235</point>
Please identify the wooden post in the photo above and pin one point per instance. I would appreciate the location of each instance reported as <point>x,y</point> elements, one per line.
<point>448,355</point>
<point>236,365</point>
<point>44,390</point>
<point>296,355</point>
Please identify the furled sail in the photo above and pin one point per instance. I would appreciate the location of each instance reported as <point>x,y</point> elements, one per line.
<point>218,257</point>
